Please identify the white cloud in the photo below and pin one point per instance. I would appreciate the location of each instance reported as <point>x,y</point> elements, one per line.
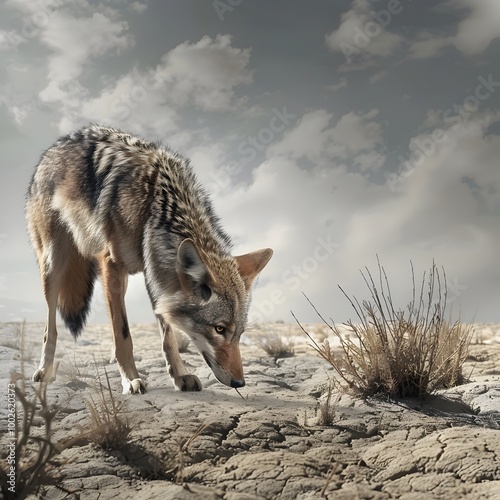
<point>136,101</point>
<point>440,213</point>
<point>77,35</point>
<point>361,35</point>
<point>437,215</point>
<point>342,83</point>
<point>208,157</point>
<point>73,41</point>
<point>379,75</point>
<point>20,113</point>
<point>10,40</point>
<point>369,161</point>
<point>477,31</point>
<point>314,140</point>
<point>358,132</point>
<point>307,139</point>
<point>285,208</point>
<point>428,46</point>
<point>138,6</point>
<point>205,73</point>
<point>474,33</point>
<point>42,6</point>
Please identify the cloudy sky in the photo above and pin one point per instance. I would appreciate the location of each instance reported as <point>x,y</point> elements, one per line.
<point>331,131</point>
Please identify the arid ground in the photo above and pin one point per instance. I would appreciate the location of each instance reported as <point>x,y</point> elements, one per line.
<point>276,439</point>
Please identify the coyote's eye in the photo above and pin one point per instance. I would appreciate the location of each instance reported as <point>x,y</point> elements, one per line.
<point>220,330</point>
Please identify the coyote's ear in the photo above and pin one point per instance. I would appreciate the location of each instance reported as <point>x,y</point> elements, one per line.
<point>251,264</point>
<point>191,269</point>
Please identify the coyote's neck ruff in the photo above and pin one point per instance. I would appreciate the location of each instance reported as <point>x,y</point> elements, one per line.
<point>102,202</point>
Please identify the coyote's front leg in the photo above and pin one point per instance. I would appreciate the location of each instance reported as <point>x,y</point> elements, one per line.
<point>182,380</point>
<point>114,280</point>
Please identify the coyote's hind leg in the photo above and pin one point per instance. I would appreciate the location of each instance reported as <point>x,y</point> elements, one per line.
<point>52,263</point>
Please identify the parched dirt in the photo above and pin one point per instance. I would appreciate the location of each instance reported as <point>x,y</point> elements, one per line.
<point>272,441</point>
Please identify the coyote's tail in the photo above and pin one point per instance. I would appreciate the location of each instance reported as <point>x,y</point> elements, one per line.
<point>76,291</point>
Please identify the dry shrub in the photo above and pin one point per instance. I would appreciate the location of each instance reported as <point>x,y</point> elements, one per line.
<point>274,345</point>
<point>34,450</point>
<point>29,442</point>
<point>110,429</point>
<point>402,353</point>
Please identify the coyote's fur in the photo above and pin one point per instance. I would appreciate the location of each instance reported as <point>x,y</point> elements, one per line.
<point>102,202</point>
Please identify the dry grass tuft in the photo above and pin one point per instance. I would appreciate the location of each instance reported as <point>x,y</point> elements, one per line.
<point>274,345</point>
<point>109,428</point>
<point>326,411</point>
<point>400,353</point>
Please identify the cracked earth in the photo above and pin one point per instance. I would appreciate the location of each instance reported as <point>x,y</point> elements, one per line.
<point>267,442</point>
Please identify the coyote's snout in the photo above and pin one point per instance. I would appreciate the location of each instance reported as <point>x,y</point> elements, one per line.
<point>105,203</point>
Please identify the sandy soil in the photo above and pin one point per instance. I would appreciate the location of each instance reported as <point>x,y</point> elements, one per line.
<point>268,443</point>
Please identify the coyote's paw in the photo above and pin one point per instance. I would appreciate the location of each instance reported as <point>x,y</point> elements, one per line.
<point>43,375</point>
<point>188,383</point>
<point>136,386</point>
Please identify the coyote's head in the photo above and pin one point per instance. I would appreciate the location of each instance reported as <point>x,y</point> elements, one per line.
<point>212,304</point>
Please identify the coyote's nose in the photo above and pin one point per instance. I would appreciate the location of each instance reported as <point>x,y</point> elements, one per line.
<point>237,383</point>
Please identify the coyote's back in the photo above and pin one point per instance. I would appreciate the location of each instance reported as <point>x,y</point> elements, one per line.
<point>105,202</point>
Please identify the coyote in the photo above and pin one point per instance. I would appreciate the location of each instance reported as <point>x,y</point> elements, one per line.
<point>103,202</point>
